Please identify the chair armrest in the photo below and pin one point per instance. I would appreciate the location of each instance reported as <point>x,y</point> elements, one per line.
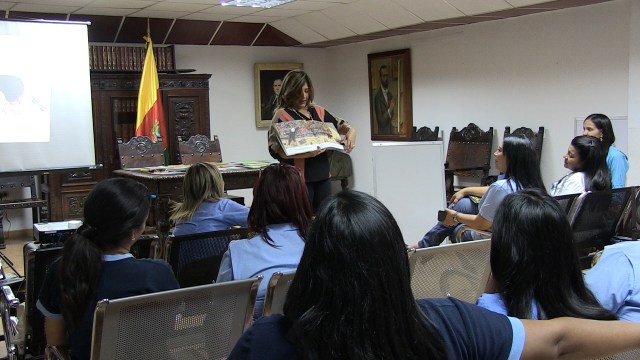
<point>463,228</point>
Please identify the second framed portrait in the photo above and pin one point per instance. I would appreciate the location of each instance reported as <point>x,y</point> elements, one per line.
<point>268,79</point>
<point>390,95</point>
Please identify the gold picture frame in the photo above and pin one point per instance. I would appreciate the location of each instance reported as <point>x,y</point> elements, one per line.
<point>390,104</point>
<point>266,88</point>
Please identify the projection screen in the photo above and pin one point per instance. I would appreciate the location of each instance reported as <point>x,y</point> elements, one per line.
<point>45,96</point>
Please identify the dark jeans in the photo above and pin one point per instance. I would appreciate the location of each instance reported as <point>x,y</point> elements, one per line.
<point>440,231</point>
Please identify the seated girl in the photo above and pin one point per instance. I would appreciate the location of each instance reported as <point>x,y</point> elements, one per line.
<point>518,160</point>
<point>96,264</point>
<point>599,126</point>
<point>535,270</point>
<point>280,214</point>
<point>585,159</point>
<point>204,207</point>
<point>351,298</point>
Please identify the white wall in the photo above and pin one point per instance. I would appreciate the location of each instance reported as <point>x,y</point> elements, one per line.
<point>537,70</point>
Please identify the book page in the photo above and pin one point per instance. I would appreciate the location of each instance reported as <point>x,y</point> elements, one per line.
<point>301,136</point>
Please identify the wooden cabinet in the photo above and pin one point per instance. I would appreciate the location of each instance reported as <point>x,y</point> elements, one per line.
<point>185,98</point>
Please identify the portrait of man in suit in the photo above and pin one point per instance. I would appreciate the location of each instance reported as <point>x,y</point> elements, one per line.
<point>384,103</point>
<point>390,95</point>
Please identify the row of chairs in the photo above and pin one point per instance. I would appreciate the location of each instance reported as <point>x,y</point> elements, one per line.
<point>140,151</point>
<point>205,321</point>
<point>596,217</point>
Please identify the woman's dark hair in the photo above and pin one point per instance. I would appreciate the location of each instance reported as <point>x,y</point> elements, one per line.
<point>603,123</point>
<point>351,297</point>
<point>112,211</point>
<point>523,165</point>
<point>280,196</point>
<point>291,90</point>
<point>533,257</point>
<point>594,162</point>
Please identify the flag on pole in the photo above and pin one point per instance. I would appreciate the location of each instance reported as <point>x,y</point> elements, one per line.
<point>150,121</point>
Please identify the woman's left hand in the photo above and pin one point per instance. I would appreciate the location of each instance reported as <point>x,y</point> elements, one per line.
<point>349,140</point>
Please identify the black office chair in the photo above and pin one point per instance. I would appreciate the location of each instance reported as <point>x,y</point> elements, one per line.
<point>196,258</point>
<point>594,219</point>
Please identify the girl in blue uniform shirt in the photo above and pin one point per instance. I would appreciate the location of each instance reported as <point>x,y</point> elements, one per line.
<point>599,125</point>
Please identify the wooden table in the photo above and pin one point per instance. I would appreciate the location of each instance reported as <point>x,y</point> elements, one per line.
<point>167,187</point>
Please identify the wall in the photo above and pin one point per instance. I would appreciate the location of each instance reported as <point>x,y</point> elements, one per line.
<point>537,70</point>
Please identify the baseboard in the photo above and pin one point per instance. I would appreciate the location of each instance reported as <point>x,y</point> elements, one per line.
<point>19,234</point>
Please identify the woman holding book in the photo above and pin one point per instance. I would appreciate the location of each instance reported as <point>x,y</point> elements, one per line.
<point>295,102</point>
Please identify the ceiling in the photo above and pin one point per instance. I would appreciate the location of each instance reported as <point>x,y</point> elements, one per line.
<point>308,23</point>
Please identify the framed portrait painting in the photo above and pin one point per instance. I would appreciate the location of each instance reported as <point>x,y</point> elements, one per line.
<point>268,79</point>
<point>390,95</point>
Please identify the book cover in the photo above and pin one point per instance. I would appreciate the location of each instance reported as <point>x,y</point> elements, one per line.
<point>300,136</point>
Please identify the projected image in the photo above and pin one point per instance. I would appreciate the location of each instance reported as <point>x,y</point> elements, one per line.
<point>25,93</point>
<point>24,112</point>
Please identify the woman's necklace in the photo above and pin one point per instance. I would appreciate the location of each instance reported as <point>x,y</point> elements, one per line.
<point>302,115</point>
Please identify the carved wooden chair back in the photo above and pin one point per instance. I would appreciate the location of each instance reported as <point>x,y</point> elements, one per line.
<point>536,138</point>
<point>199,148</point>
<point>426,134</point>
<point>468,155</point>
<point>139,152</point>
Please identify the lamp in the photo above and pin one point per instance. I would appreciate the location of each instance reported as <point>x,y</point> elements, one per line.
<point>265,4</point>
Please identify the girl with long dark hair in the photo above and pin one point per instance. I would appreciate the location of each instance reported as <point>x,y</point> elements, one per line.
<point>518,160</point>
<point>535,269</point>
<point>585,159</point>
<point>96,264</point>
<point>599,126</point>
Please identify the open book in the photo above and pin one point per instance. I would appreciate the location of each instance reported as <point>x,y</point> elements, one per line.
<point>300,136</point>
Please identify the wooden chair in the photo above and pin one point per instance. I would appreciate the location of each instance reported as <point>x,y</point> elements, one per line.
<point>202,322</point>
<point>458,270</point>
<point>468,155</point>
<point>139,152</point>
<point>196,258</point>
<point>276,294</point>
<point>199,148</point>
<point>30,340</point>
<point>536,138</point>
<point>425,134</point>
<point>594,218</point>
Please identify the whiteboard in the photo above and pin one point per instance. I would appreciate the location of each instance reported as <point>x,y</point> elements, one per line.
<point>620,129</point>
<point>409,180</point>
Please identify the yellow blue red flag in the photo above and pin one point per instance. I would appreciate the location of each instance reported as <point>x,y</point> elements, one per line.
<point>150,121</point>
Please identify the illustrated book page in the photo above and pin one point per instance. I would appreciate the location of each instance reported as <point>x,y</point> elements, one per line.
<point>301,136</point>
